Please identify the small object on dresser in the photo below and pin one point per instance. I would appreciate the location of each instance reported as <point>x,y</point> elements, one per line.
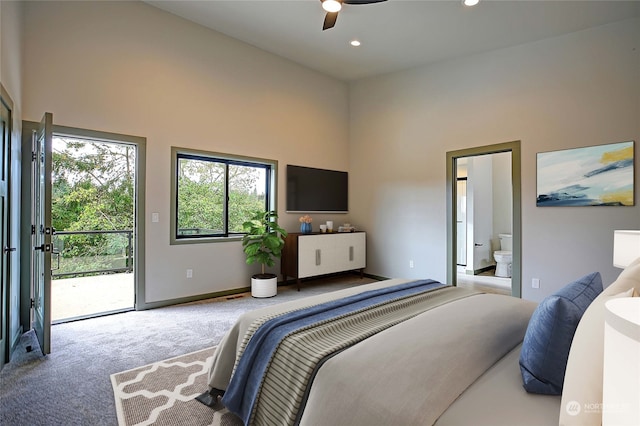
<point>305,228</point>
<point>346,228</point>
<point>305,224</point>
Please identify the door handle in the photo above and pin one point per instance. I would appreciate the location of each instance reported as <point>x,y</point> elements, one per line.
<point>9,249</point>
<point>44,247</point>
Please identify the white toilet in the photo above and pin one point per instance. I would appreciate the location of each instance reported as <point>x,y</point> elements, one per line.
<point>503,256</point>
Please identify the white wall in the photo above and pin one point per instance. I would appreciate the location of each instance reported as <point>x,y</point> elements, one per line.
<point>571,91</point>
<point>502,196</point>
<point>10,76</point>
<point>127,67</point>
<point>479,212</point>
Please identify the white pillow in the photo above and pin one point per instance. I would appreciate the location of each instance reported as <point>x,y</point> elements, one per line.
<point>582,392</point>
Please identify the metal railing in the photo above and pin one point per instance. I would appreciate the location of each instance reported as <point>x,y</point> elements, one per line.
<point>85,253</point>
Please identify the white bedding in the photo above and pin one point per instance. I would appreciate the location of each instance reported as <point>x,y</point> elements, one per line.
<point>413,372</point>
<point>497,398</point>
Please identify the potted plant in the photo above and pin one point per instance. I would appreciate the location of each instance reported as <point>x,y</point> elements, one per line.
<point>263,243</point>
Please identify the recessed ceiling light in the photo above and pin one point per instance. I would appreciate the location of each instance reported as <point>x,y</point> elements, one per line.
<point>354,43</point>
<point>470,2</point>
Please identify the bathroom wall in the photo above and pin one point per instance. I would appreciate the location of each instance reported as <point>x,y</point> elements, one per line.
<point>479,213</point>
<point>502,197</point>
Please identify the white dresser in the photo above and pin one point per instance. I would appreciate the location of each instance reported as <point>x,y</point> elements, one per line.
<point>308,255</point>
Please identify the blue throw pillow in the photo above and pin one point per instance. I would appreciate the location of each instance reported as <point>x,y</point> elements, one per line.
<point>546,344</point>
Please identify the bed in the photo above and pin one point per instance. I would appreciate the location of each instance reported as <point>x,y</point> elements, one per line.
<point>449,356</point>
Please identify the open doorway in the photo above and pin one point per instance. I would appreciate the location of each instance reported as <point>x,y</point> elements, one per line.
<point>92,213</point>
<point>484,222</point>
<point>483,212</point>
<point>38,236</point>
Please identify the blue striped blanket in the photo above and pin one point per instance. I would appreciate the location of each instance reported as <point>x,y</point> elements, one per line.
<point>245,386</point>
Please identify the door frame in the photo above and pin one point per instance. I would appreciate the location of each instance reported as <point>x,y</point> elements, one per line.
<point>139,209</point>
<point>452,244</point>
<point>6,286</point>
<point>139,200</point>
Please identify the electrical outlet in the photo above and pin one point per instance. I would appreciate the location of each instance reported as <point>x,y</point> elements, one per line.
<point>155,217</point>
<point>535,283</point>
<point>189,273</point>
<point>411,264</point>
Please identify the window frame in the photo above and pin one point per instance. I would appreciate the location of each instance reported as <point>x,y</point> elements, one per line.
<point>177,153</point>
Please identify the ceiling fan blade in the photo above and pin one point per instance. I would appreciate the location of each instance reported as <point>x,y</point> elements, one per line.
<point>329,20</point>
<point>362,1</point>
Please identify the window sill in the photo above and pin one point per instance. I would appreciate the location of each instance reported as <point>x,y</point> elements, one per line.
<point>204,240</point>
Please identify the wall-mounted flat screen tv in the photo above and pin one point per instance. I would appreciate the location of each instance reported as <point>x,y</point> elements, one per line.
<point>317,190</point>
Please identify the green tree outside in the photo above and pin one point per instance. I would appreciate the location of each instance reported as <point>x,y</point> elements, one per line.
<point>201,192</point>
<point>93,190</point>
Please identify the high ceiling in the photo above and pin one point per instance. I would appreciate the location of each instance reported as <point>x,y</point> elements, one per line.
<point>397,34</point>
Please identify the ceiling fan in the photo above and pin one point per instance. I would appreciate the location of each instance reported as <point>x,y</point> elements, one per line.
<point>333,7</point>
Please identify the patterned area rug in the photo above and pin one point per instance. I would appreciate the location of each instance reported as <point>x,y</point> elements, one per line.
<point>163,393</point>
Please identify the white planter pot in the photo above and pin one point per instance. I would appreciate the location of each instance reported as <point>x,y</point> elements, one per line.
<point>264,285</point>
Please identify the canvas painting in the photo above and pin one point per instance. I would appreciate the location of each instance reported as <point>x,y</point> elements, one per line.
<point>592,176</point>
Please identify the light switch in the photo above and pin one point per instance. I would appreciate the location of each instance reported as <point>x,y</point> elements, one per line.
<point>155,217</point>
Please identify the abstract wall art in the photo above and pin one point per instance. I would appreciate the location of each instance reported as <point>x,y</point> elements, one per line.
<point>599,175</point>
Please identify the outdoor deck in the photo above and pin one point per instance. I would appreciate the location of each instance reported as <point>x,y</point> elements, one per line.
<point>78,297</point>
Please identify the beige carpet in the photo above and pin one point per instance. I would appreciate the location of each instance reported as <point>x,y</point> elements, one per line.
<point>163,393</point>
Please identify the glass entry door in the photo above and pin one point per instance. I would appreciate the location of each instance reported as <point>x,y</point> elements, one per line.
<point>41,232</point>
